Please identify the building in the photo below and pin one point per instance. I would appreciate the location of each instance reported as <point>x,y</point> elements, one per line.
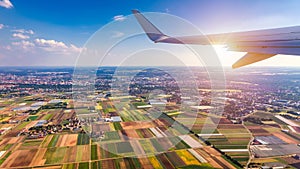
<point>296,156</point>
<point>273,165</point>
<point>113,119</point>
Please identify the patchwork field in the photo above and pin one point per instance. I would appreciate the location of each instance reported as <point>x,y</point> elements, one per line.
<point>19,158</point>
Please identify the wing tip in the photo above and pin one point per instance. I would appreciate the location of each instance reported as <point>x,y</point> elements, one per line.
<point>151,30</point>
<point>135,11</point>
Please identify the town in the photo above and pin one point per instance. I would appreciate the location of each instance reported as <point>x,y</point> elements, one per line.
<point>149,121</point>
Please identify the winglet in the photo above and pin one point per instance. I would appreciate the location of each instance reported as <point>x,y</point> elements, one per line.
<point>152,32</point>
<point>250,58</point>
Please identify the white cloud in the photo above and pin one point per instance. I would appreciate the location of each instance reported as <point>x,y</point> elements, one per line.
<point>75,48</point>
<point>119,18</point>
<point>44,46</point>
<point>23,44</point>
<point>20,36</point>
<point>6,4</point>
<point>1,26</point>
<point>50,43</point>
<point>22,33</point>
<point>31,32</point>
<point>57,46</point>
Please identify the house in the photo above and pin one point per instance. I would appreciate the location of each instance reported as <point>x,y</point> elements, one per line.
<point>113,119</point>
<point>41,123</point>
<point>296,156</point>
<point>273,165</point>
<point>116,119</point>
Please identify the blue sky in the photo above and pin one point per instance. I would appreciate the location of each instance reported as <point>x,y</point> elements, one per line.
<point>35,32</point>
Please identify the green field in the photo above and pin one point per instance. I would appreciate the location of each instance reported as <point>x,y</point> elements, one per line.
<point>139,104</point>
<point>94,155</point>
<point>132,163</point>
<point>53,141</point>
<point>5,157</point>
<point>179,144</point>
<point>133,115</point>
<point>32,143</point>
<point>6,147</point>
<point>85,165</point>
<point>111,135</point>
<point>55,155</point>
<point>117,126</point>
<point>124,147</point>
<point>47,116</point>
<point>156,145</point>
<point>147,146</point>
<point>31,118</point>
<point>96,165</point>
<point>22,125</point>
<point>109,151</point>
<point>108,110</point>
<point>228,146</point>
<point>69,166</point>
<point>83,139</point>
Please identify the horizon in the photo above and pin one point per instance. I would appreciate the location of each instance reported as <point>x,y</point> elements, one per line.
<point>154,66</point>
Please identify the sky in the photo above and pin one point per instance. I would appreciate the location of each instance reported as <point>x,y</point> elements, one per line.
<point>53,33</point>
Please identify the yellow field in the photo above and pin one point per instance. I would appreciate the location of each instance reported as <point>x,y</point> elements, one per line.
<point>188,158</point>
<point>155,163</point>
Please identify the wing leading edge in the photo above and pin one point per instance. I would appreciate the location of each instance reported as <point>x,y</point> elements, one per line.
<point>259,44</point>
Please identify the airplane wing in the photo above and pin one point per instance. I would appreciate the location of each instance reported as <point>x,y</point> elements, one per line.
<point>259,44</point>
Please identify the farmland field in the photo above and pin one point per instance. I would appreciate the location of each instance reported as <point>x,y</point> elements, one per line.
<point>31,144</point>
<point>94,155</point>
<point>175,159</point>
<point>83,139</point>
<point>83,153</point>
<point>22,125</point>
<point>55,155</point>
<point>71,154</point>
<point>5,157</point>
<point>47,116</point>
<point>147,146</point>
<point>108,150</point>
<point>69,166</point>
<point>164,161</point>
<point>67,140</point>
<point>117,126</point>
<point>47,140</point>
<point>111,135</point>
<point>132,163</point>
<point>25,155</point>
<point>188,158</point>
<point>155,163</point>
<point>53,141</point>
<point>178,143</point>
<point>31,118</point>
<point>124,147</point>
<point>157,145</point>
<point>83,165</point>
<point>6,147</point>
